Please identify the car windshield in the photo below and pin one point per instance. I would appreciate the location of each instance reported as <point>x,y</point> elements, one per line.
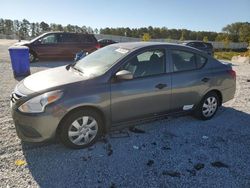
<point>101,60</point>
<point>38,37</point>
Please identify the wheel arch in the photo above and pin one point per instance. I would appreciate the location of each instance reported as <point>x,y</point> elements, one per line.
<point>34,53</point>
<point>218,93</point>
<point>31,50</point>
<point>87,107</point>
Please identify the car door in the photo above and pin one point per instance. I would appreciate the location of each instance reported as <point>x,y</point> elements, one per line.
<point>70,45</point>
<point>47,46</point>
<point>149,92</point>
<point>190,78</point>
<point>88,43</point>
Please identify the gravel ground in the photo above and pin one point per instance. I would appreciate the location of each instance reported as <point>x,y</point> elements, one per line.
<point>174,152</point>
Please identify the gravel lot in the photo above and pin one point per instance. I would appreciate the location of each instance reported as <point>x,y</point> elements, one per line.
<point>174,152</point>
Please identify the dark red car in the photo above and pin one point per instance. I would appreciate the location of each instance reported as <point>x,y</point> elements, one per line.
<point>61,45</point>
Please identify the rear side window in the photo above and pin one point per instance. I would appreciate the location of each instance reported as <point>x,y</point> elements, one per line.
<point>70,38</point>
<point>183,60</point>
<point>200,61</point>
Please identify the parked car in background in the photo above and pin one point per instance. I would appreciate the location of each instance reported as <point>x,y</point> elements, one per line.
<point>60,45</point>
<point>117,86</point>
<point>105,42</point>
<point>203,46</point>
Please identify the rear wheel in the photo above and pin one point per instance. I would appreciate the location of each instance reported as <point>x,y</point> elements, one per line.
<point>208,106</point>
<point>81,129</point>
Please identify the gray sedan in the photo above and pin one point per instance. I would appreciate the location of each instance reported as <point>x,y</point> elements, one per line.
<point>117,86</point>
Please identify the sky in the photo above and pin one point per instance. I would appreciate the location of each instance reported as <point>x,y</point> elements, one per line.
<point>196,15</point>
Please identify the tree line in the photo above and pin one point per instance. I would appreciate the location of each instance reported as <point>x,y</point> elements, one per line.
<point>25,29</point>
<point>235,32</point>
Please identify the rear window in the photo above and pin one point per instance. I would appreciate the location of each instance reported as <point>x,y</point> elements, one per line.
<point>209,45</point>
<point>198,45</point>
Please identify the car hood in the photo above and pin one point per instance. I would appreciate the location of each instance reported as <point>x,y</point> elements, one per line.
<point>49,79</point>
<point>22,43</point>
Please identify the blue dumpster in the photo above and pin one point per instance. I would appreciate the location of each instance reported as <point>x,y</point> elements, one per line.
<point>19,56</point>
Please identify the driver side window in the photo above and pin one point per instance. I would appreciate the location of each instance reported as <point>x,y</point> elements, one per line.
<point>147,63</point>
<point>49,39</point>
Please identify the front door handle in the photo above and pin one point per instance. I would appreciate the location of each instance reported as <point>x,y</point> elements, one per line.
<point>160,86</point>
<point>205,79</point>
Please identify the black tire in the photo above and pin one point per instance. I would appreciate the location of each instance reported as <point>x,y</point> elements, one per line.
<point>199,111</point>
<point>67,123</point>
<point>32,57</point>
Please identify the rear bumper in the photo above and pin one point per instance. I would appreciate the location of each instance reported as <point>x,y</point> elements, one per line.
<point>228,94</point>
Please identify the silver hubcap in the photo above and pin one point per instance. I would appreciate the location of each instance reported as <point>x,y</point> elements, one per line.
<point>83,130</point>
<point>209,106</point>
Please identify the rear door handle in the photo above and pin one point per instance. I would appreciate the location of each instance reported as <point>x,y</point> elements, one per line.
<point>160,86</point>
<point>205,79</point>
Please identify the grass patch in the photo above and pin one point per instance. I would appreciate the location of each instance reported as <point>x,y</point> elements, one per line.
<point>229,55</point>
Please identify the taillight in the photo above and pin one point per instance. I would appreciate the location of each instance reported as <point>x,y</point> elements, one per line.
<point>232,73</point>
<point>97,46</point>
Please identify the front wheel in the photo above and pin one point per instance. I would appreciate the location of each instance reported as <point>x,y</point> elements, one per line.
<point>81,129</point>
<point>32,57</point>
<point>208,106</point>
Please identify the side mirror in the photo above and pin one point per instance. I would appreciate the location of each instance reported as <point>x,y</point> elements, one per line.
<point>39,41</point>
<point>124,75</point>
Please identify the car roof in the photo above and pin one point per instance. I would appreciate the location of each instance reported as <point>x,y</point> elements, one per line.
<point>188,41</point>
<point>105,39</point>
<point>56,32</point>
<point>136,45</point>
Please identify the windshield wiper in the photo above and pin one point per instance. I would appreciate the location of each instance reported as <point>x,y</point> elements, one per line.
<point>77,69</point>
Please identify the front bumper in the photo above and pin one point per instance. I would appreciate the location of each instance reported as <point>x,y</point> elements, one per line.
<point>36,127</point>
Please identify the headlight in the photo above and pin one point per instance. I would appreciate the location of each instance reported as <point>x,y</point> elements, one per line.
<point>38,103</point>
